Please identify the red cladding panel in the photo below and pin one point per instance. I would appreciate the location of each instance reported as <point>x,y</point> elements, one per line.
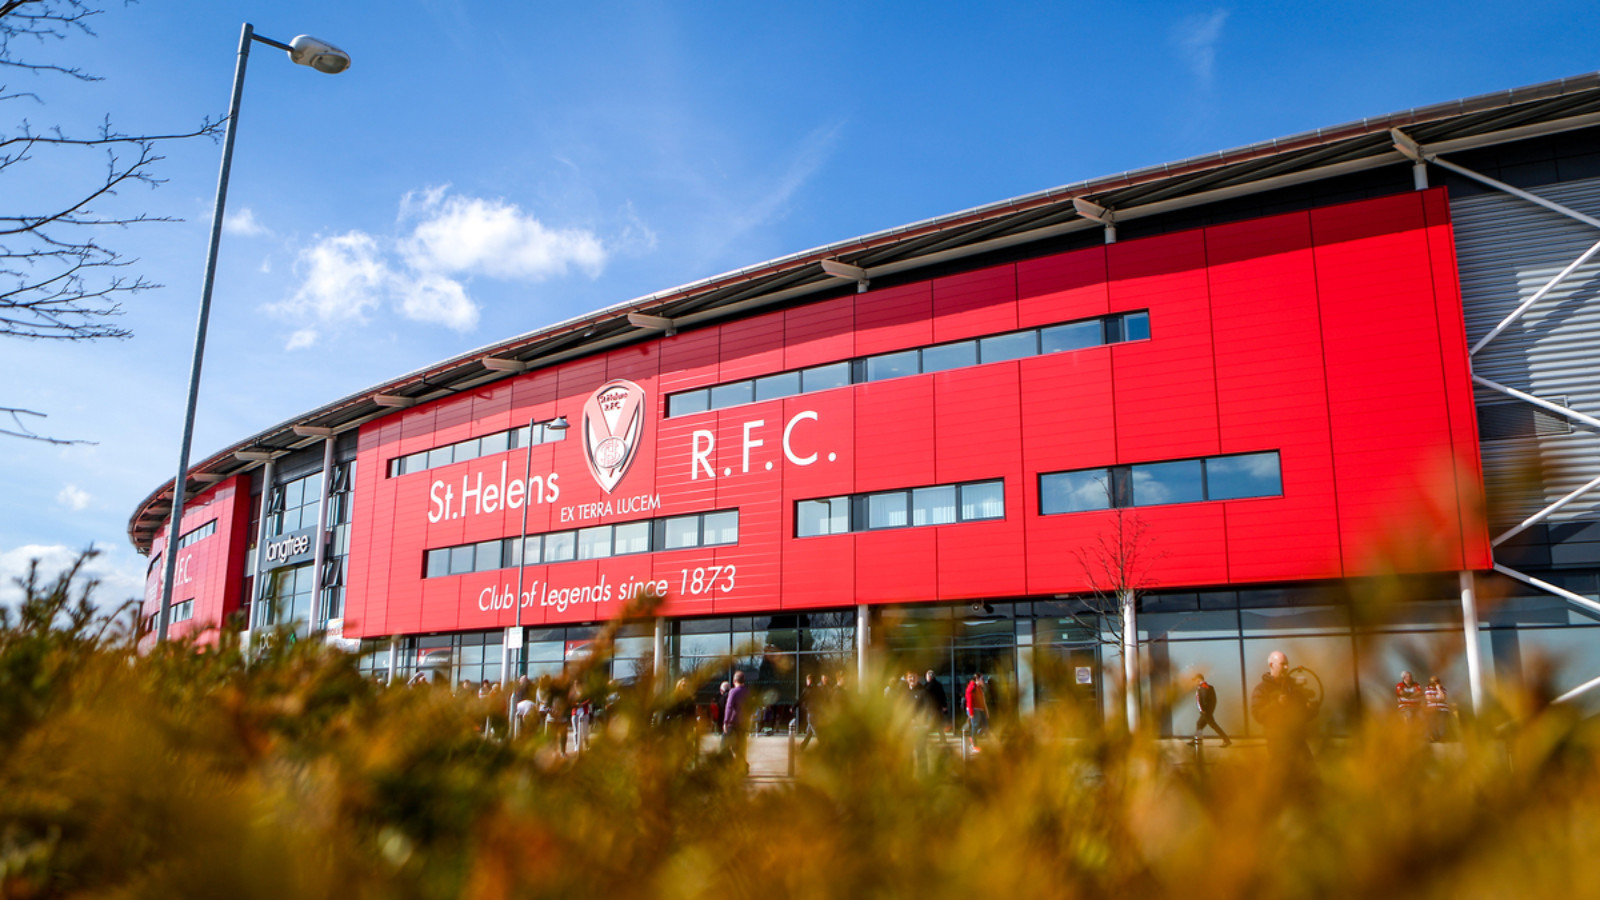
<point>894,433</point>
<point>1271,395</point>
<point>752,347</point>
<point>894,318</point>
<point>819,333</point>
<point>688,360</point>
<point>897,566</point>
<point>985,559</point>
<point>1386,390</point>
<point>975,303</point>
<point>977,416</point>
<point>1165,387</point>
<point>1062,288</point>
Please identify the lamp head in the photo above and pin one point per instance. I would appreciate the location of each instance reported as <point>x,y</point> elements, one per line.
<point>559,423</point>
<point>320,55</point>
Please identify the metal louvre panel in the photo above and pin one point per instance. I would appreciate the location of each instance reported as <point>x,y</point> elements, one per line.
<point>1506,250</point>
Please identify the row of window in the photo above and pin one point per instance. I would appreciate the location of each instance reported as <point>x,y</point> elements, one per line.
<point>1155,484</point>
<point>712,529</point>
<point>461,451</point>
<point>198,534</point>
<point>973,501</point>
<point>1114,329</point>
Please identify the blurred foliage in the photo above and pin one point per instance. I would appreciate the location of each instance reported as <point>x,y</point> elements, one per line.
<point>186,772</point>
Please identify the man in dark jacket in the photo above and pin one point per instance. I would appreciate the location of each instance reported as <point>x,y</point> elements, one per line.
<point>1283,706</point>
<point>938,703</point>
<point>1206,696</point>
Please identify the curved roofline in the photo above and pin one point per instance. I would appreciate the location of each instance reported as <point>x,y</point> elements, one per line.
<point>1551,106</point>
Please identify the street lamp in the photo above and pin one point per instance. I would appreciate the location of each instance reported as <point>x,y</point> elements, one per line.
<point>303,50</point>
<point>559,423</point>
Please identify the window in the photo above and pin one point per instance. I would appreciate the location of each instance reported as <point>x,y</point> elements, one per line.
<point>1115,328</point>
<point>594,543</point>
<point>950,356</point>
<point>822,378</point>
<point>892,365</point>
<point>597,542</point>
<point>934,505</point>
<point>1236,477</point>
<point>1155,484</point>
<point>983,500</point>
<point>817,517</point>
<point>1082,491</point>
<point>472,448</point>
<point>772,387</point>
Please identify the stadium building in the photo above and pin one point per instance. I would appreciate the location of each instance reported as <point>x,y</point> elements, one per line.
<point>1334,394</point>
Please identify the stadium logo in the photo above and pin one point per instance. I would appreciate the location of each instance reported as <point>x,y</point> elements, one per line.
<point>613,425</point>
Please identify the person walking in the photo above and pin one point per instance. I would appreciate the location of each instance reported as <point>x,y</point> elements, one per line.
<point>1408,696</point>
<point>811,700</point>
<point>938,703</point>
<point>977,706</point>
<point>722,707</point>
<point>734,726</point>
<point>1283,706</point>
<point>1205,697</point>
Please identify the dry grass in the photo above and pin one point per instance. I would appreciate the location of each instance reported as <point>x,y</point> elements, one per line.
<point>188,774</point>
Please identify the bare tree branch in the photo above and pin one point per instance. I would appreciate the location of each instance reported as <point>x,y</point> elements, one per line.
<point>59,278</point>
<point>23,431</point>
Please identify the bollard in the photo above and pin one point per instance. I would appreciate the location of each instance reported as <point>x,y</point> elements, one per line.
<point>794,728</point>
<point>966,738</point>
<point>1199,757</point>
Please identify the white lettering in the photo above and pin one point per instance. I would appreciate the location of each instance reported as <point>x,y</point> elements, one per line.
<point>788,430</point>
<point>514,494</point>
<point>749,427</point>
<point>699,457</point>
<point>552,491</point>
<point>439,510</point>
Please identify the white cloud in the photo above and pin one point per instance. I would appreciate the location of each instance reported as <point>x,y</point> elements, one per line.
<point>73,497</point>
<point>1196,39</point>
<point>121,573</point>
<point>244,224</point>
<point>424,275</point>
<point>495,238</point>
<point>434,298</point>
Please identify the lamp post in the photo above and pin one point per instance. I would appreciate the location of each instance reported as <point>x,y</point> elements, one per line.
<point>559,423</point>
<point>303,50</point>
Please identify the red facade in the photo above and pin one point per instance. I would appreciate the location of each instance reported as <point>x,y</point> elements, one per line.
<point>1334,337</point>
<point>210,570</point>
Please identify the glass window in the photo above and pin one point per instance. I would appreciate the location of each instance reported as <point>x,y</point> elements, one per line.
<point>721,528</point>
<point>1002,347</point>
<point>784,384</point>
<point>1067,492</point>
<point>491,555</point>
<point>688,402</point>
<point>985,500</point>
<point>594,543</point>
<point>461,559</point>
<point>950,356</point>
<point>892,365</point>
<point>1073,336</point>
<point>814,517</point>
<point>682,531</point>
<point>1251,475</point>
<point>633,537</point>
<point>821,378</point>
<point>529,555</point>
<point>494,443</point>
<point>725,395</point>
<point>933,506</point>
<point>466,450</point>
<point>438,563</point>
<point>440,456</point>
<point>560,546</point>
<point>1169,482</point>
<point>887,510</point>
<point>1136,326</point>
<point>417,462</point>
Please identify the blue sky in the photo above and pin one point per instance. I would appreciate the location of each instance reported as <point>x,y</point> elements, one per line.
<point>488,169</point>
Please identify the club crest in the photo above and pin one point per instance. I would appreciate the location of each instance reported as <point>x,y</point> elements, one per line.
<point>613,424</point>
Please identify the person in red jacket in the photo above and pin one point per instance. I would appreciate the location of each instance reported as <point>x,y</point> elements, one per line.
<point>977,705</point>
